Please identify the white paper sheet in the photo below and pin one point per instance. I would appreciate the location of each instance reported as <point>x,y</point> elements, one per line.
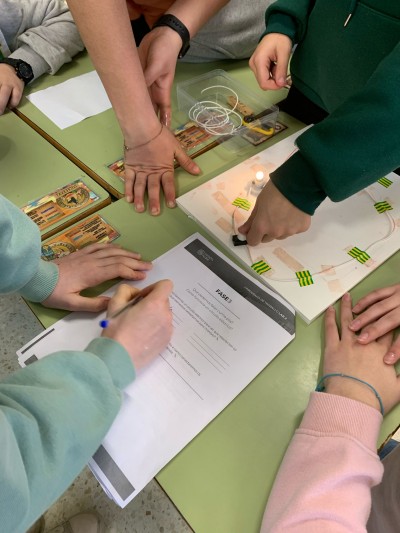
<point>227,328</point>
<point>72,101</point>
<point>368,222</point>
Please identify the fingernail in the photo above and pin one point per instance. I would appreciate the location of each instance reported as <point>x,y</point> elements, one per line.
<point>139,207</point>
<point>281,81</point>
<point>390,358</point>
<point>346,296</point>
<point>171,204</point>
<point>155,211</point>
<point>129,199</point>
<point>354,325</point>
<point>363,337</point>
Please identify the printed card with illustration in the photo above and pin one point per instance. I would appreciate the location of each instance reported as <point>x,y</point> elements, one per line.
<point>193,138</point>
<point>61,203</point>
<point>93,229</point>
<point>118,168</point>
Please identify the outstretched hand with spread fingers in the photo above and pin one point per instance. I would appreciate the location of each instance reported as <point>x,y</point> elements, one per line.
<point>151,167</point>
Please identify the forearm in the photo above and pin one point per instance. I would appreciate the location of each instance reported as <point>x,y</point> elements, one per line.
<point>21,266</point>
<point>106,31</point>
<point>336,465</point>
<point>53,416</point>
<point>195,14</point>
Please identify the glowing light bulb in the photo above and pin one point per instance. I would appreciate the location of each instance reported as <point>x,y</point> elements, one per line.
<point>259,180</point>
<point>259,176</point>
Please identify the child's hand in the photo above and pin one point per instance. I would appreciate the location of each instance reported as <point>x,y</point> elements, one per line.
<point>145,329</point>
<point>89,267</point>
<point>11,88</point>
<point>158,53</point>
<point>379,313</point>
<point>151,168</point>
<point>344,354</point>
<point>273,217</point>
<point>270,61</point>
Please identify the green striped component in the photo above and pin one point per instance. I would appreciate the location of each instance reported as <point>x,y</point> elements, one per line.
<point>361,256</point>
<point>304,278</point>
<point>386,182</point>
<point>381,207</point>
<point>242,203</point>
<point>260,267</point>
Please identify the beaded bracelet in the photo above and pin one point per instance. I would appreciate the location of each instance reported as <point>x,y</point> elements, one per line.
<point>320,386</point>
<point>144,144</point>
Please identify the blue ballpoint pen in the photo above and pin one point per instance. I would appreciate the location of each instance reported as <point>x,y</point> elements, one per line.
<point>136,299</point>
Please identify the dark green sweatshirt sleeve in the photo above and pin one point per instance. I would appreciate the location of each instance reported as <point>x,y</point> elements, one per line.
<point>53,416</point>
<point>355,146</point>
<point>288,17</point>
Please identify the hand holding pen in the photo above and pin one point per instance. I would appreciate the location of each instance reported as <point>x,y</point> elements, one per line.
<point>135,300</point>
<point>141,321</point>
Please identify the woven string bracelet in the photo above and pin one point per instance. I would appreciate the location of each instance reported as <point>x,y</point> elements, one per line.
<point>144,144</point>
<point>321,387</point>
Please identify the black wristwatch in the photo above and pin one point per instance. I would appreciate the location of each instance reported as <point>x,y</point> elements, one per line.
<point>174,23</point>
<point>22,69</point>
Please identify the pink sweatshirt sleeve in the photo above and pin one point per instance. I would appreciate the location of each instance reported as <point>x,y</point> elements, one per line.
<point>325,479</point>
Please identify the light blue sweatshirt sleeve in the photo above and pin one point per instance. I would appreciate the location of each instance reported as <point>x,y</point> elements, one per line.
<point>21,267</point>
<point>53,416</point>
<point>54,413</point>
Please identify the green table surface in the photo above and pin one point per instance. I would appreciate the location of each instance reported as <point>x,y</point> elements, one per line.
<point>221,480</point>
<point>96,142</point>
<point>31,167</point>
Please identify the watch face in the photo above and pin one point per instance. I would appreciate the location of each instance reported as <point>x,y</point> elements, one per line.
<point>25,70</point>
<point>22,68</point>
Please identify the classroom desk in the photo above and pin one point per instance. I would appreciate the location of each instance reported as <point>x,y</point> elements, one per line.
<point>221,480</point>
<point>97,141</point>
<point>30,168</point>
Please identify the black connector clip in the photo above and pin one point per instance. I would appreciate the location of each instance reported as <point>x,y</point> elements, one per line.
<point>237,242</point>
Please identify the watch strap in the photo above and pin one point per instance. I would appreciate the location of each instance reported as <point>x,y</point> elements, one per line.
<point>175,24</point>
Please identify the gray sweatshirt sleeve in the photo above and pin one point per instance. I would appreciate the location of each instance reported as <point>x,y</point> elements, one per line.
<point>46,36</point>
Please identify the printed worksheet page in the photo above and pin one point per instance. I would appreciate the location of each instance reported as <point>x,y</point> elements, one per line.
<point>227,328</point>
